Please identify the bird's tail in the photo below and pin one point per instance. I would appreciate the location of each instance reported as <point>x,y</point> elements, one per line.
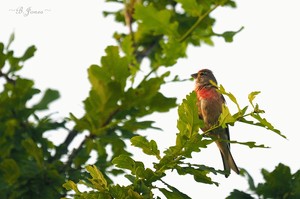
<point>228,162</point>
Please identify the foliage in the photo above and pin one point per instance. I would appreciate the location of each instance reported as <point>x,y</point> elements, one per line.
<point>280,183</point>
<point>26,165</point>
<point>123,91</point>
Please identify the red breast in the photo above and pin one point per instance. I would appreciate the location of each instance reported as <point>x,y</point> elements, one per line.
<point>207,93</point>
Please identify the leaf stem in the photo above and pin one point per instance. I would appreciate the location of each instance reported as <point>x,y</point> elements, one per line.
<point>189,32</point>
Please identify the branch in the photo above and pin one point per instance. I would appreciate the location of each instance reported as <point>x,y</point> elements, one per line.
<point>63,148</point>
<point>80,147</point>
<point>8,79</point>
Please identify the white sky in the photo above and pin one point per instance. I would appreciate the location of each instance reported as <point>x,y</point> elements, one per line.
<point>72,35</point>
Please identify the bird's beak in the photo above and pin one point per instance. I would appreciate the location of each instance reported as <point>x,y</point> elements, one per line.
<point>194,75</point>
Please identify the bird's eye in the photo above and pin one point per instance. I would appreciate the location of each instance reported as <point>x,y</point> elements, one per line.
<point>203,73</point>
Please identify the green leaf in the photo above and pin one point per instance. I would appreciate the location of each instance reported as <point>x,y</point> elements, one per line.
<point>98,180</point>
<point>264,123</point>
<point>249,178</point>
<point>188,125</point>
<point>222,90</point>
<point>33,150</point>
<point>191,7</point>
<point>235,194</point>
<point>2,56</point>
<point>228,36</point>
<point>125,162</point>
<point>157,21</point>
<point>124,192</point>
<point>249,144</point>
<point>10,170</point>
<point>252,96</point>
<point>174,193</point>
<point>172,50</point>
<point>49,96</point>
<point>161,103</point>
<point>70,185</point>
<point>225,118</point>
<point>11,39</point>
<point>28,53</point>
<point>199,175</point>
<point>115,67</point>
<point>149,148</point>
<point>188,122</point>
<point>278,182</point>
<point>133,125</point>
<point>128,48</point>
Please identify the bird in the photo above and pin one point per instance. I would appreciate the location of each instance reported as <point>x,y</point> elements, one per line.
<point>209,103</point>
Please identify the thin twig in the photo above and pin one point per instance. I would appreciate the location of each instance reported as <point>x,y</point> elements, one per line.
<point>196,24</point>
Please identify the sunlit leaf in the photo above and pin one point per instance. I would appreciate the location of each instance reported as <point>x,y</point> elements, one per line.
<point>230,95</point>
<point>225,118</point>
<point>252,96</point>
<point>98,179</point>
<point>70,185</point>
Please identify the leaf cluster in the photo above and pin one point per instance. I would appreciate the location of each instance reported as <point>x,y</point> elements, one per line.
<point>279,183</point>
<point>25,166</point>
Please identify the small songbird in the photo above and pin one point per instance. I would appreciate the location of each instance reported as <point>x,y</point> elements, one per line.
<point>210,103</point>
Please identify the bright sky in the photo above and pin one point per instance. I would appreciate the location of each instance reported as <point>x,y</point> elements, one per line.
<point>72,35</point>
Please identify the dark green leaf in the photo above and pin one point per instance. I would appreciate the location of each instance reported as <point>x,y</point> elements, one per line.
<point>33,150</point>
<point>28,53</point>
<point>133,125</point>
<point>249,144</point>
<point>199,175</point>
<point>174,193</point>
<point>49,96</point>
<point>236,194</point>
<point>278,182</point>
<point>150,148</point>
<point>10,170</point>
<point>2,56</point>
<point>250,179</point>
